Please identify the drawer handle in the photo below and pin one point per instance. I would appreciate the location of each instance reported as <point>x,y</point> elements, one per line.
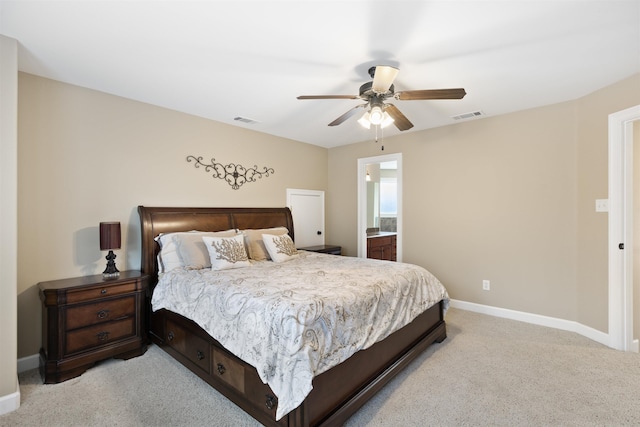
<point>103,291</point>
<point>103,314</point>
<point>221,368</point>
<point>199,355</point>
<point>270,402</point>
<point>103,336</point>
<point>170,336</point>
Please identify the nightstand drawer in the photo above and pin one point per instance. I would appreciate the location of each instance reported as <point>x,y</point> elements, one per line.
<point>98,335</point>
<point>74,296</point>
<point>100,312</point>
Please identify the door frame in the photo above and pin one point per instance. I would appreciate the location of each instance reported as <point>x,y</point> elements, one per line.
<point>362,202</point>
<point>621,229</point>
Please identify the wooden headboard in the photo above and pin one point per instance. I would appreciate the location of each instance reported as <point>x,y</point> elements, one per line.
<point>154,220</point>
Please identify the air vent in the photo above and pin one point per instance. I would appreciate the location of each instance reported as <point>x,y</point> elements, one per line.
<point>245,120</point>
<point>466,116</point>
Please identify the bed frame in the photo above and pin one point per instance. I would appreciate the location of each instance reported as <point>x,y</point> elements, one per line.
<point>337,393</point>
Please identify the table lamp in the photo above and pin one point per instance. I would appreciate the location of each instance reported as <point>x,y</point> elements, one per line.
<point>109,240</point>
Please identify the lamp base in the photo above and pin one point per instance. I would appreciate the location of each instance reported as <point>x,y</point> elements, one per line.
<point>111,272</point>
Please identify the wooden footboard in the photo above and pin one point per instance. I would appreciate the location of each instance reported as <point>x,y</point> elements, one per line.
<point>336,394</point>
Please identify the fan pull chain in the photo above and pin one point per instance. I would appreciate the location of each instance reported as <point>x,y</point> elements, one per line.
<point>381,136</point>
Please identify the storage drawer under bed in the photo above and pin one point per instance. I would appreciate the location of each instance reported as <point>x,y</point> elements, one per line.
<point>216,365</point>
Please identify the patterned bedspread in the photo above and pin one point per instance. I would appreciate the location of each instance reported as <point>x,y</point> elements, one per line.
<point>296,319</point>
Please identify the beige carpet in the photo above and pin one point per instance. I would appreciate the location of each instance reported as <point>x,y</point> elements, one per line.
<point>489,372</point>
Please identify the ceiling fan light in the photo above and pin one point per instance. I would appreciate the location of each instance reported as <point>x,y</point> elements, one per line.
<point>376,115</point>
<point>387,120</point>
<point>364,121</point>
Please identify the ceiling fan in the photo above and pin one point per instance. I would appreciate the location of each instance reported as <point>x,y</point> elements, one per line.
<point>380,89</point>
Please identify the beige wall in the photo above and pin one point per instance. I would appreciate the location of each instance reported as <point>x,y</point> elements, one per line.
<point>8,221</point>
<point>86,157</point>
<point>592,160</point>
<point>509,199</point>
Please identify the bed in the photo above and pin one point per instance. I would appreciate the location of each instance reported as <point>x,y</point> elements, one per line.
<point>336,393</point>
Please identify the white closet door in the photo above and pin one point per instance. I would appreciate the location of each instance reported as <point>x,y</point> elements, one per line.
<point>307,209</point>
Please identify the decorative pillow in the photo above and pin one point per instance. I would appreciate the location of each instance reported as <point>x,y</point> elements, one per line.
<point>192,252</point>
<point>280,248</point>
<point>226,252</point>
<point>255,245</point>
<point>169,258</point>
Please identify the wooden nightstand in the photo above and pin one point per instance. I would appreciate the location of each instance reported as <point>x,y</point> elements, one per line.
<point>324,249</point>
<point>88,319</point>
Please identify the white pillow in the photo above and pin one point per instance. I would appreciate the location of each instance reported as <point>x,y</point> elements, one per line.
<point>168,257</point>
<point>280,247</point>
<point>226,252</point>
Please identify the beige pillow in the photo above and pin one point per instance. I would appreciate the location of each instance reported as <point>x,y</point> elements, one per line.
<point>226,252</point>
<point>191,249</point>
<point>255,245</point>
<point>280,248</point>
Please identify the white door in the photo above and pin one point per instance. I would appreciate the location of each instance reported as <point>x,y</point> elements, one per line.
<point>621,146</point>
<point>307,209</point>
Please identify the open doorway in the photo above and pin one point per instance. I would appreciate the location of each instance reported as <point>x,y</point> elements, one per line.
<point>376,209</point>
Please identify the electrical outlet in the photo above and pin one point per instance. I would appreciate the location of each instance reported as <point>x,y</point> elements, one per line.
<point>486,285</point>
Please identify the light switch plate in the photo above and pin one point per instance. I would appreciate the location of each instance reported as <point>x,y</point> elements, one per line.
<point>602,205</point>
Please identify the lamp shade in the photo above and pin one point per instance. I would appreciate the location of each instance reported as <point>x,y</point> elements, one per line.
<point>109,235</point>
<point>376,115</point>
<point>386,120</point>
<point>364,121</point>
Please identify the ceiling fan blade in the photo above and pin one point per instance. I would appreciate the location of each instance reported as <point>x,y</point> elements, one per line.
<point>328,97</point>
<point>346,115</point>
<point>399,119</point>
<point>383,78</point>
<point>408,95</point>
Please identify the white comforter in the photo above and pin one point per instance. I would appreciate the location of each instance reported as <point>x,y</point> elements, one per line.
<point>297,319</point>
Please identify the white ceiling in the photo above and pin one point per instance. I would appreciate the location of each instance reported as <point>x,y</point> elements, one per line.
<point>224,59</point>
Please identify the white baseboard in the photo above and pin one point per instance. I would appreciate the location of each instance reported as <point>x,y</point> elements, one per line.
<point>536,319</point>
<point>10,402</point>
<point>33,361</point>
<point>28,363</point>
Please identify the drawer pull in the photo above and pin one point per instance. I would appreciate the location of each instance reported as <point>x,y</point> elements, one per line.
<point>221,368</point>
<point>170,336</point>
<point>103,314</point>
<point>103,336</point>
<point>270,402</point>
<point>103,291</point>
<point>199,355</point>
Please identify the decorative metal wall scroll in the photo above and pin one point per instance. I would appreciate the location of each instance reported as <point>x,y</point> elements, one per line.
<point>235,175</point>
